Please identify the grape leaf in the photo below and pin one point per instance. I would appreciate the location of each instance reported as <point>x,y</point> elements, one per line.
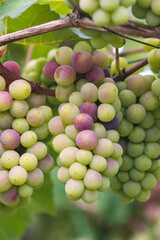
<point>58,6</point>
<point>14,8</point>
<point>35,15</point>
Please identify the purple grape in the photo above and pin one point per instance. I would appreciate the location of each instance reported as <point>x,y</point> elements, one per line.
<point>13,67</point>
<point>65,75</point>
<point>90,109</point>
<point>11,197</point>
<point>83,121</point>
<point>95,75</point>
<point>113,124</point>
<point>86,139</point>
<point>10,139</point>
<point>107,73</point>
<point>6,101</point>
<point>82,61</point>
<point>49,70</point>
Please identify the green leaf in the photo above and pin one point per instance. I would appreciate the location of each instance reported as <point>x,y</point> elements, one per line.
<point>14,8</point>
<point>58,6</point>
<point>40,14</point>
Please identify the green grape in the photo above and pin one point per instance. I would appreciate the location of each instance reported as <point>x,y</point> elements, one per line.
<point>152,134</point>
<point>68,112</point>
<point>51,55</point>
<point>2,84</point>
<point>149,101</point>
<point>5,183</point>
<point>116,104</point>
<point>136,175</point>
<point>74,188</point>
<point>152,19</point>
<point>63,93</point>
<point>113,136</point>
<point>144,196</point>
<point>155,165</point>
<point>107,93</point>
<point>156,113</point>
<point>115,40</point>
<point>156,173</point>
<point>18,175</point>
<point>20,89</point>
<point>56,126</point>
<point>25,191</point>
<point>92,180</point>
<point>28,139</point>
<point>99,130</point>
<point>39,150</point>
<point>79,84</point>
<point>82,46</point>
<point>61,142</point>
<point>111,169</point>
<point>152,150</point>
<point>149,181</point>
<point>125,128</point>
<point>127,3</point>
<point>98,42</point>
<point>123,176</point>
<point>68,156</point>
<point>131,188</point>
<point>122,64</point>
<point>19,108</point>
<point>115,184</point>
<point>101,17</point>
<point>119,16</point>
<point>28,161</point>
<point>70,5</point>
<point>148,121</point>
<point>35,178</point>
<point>20,125</point>
<point>77,171</point>
<point>10,159</point>
<point>84,156</point>
<point>89,196</point>
<point>139,12</point>
<point>154,59</point>
<point>137,135</point>
<point>127,98</point>
<point>144,4</point>
<point>154,41</point>
<point>42,131</point>
<point>105,184</point>
<point>155,6</point>
<point>64,55</point>
<point>76,98</point>
<point>63,174</point>
<point>124,198</point>
<point>121,85</point>
<point>47,112</point>
<point>150,78</point>
<point>103,148</point>
<point>88,6</point>
<point>71,132</point>
<point>142,163</point>
<point>98,163</point>
<point>105,112</point>
<point>135,149</point>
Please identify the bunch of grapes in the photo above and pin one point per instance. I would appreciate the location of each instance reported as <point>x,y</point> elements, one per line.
<point>140,133</point>
<point>148,10</point>
<point>23,126</point>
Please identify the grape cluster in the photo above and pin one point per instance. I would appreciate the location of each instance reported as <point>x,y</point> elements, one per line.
<point>140,168</point>
<point>23,127</point>
<point>84,131</point>
<point>148,10</point>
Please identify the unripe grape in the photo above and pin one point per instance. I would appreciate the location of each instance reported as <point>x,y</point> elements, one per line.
<point>56,126</point>
<point>113,136</point>
<point>89,7</point>
<point>142,163</point>
<point>109,6</point>
<point>6,120</point>
<point>35,117</point>
<point>104,148</point>
<point>152,150</point>
<point>77,171</point>
<point>82,45</point>
<point>137,84</point>
<point>127,98</point>
<point>98,163</point>
<point>121,85</point>
<point>39,150</point>
<point>63,93</point>
<point>28,139</point>
<point>42,131</point>
<point>144,196</point>
<point>10,159</point>
<point>19,108</point>
<point>74,188</point>
<point>152,134</point>
<point>137,135</point>
<point>135,149</point>
<point>61,142</point>
<point>101,17</point>
<point>68,156</point>
<point>99,130</point>
<point>84,156</point>
<point>136,175</point>
<point>117,151</point>
<point>6,101</point>
<point>115,183</point>
<point>5,183</point>
<point>25,190</point>
<point>100,59</point>
<point>112,168</point>
<point>89,196</point>
<point>64,55</point>
<point>36,100</point>
<point>135,113</point>
<point>68,112</point>
<point>10,139</point>
<point>20,89</point>
<point>20,125</point>
<point>46,164</point>
<point>149,181</point>
<point>131,188</point>
<point>138,11</point>
<point>76,98</point>
<point>125,128</point>
<point>149,101</point>
<point>120,16</point>
<point>89,92</point>
<point>71,132</point>
<point>35,178</point>
<point>63,174</point>
<point>18,175</point>
<point>127,3</point>
<point>107,93</point>
<point>11,197</point>
<point>154,41</point>
<point>105,112</point>
<point>124,198</point>
<point>47,112</point>
<point>122,64</point>
<point>123,176</point>
<point>97,41</point>
<point>28,161</point>
<point>148,121</point>
<point>65,75</point>
<point>86,139</point>
<point>92,180</point>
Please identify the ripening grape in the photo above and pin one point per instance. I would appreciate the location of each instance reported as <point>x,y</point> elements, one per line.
<point>99,130</point>
<point>6,120</point>
<point>104,147</point>
<point>135,149</point>
<point>10,139</point>
<point>149,101</point>
<point>89,196</point>
<point>64,55</point>
<point>63,174</point>
<point>113,136</point>
<point>39,150</point>
<point>98,163</point>
<point>19,108</point>
<point>117,151</point>
<point>137,135</point>
<point>47,112</point>
<point>5,183</point>
<point>105,112</point>
<point>127,97</point>
<point>152,150</point>
<point>18,175</point>
<point>65,75</point>
<point>95,75</point>
<point>6,101</point>
<point>135,113</point>
<point>76,98</point>
<point>2,84</point>
<point>89,92</point>
<point>11,197</point>
<point>63,93</point>
<point>92,180</point>
<point>49,70</point>
<point>36,100</point>
<point>90,109</point>
<point>13,67</point>
<point>68,156</point>
<point>74,188</point>
<point>56,126</point>
<point>28,139</point>
<point>107,93</point>
<point>83,121</point>
<point>86,139</point>
<point>35,178</point>
<point>105,184</point>
<point>100,59</point>
<point>35,117</point>
<point>10,159</point>
<point>82,61</point>
<point>68,112</point>
<point>71,132</point>
<point>28,161</point>
<point>137,84</point>
<point>46,164</point>
<point>20,89</point>
<point>112,168</point>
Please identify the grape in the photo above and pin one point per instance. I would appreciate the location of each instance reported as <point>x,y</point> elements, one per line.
<point>56,126</point>
<point>80,83</point>
<point>113,124</point>
<point>32,76</point>
<point>117,151</point>
<point>89,92</point>
<point>105,184</point>
<point>120,16</point>
<point>115,183</point>
<point>5,183</point>
<point>63,174</point>
<point>123,176</point>
<point>155,165</point>
<point>127,3</point>
<point>49,70</point>
<point>65,75</point>
<point>13,67</point>
<point>107,73</point>
<point>148,121</point>
<point>42,132</point>
<point>98,42</point>
<point>35,178</point>
<point>83,121</point>
<point>95,75</point>
<point>86,139</point>
<point>46,164</point>
<point>104,148</point>
<point>39,150</point>
<point>19,108</point>
<point>82,46</point>
<point>47,112</point>
<point>77,171</point>
<point>145,4</point>
<point>137,84</point>
<point>82,61</point>
<point>153,59</point>
<point>124,198</point>
<point>25,191</point>
<point>74,188</point>
<point>76,98</point>
<point>90,109</point>
<point>116,104</point>
<point>64,55</point>
<point>155,6</point>
<point>157,123</point>
<point>136,175</point>
<point>10,139</point>
<point>142,163</point>
<point>125,128</point>
<point>109,6</point>
<point>156,87</point>
<point>5,120</point>
<point>89,196</point>
<point>156,113</point>
<point>88,6</point>
<point>113,136</point>
<point>152,134</point>
<point>100,59</point>
<point>138,11</point>
<point>2,84</point>
<point>68,112</point>
<point>98,163</point>
<point>11,197</point>
<point>84,156</point>
<point>71,132</point>
<point>156,173</point>
<point>127,98</point>
<point>144,196</point>
<point>101,18</point>
<point>149,181</point>
<point>121,85</point>
<point>99,130</point>
<point>6,101</point>
<point>154,41</point>
<point>109,80</point>
<point>105,112</point>
<point>18,175</point>
<point>2,150</point>
<point>112,168</point>
<point>63,93</point>
<point>10,159</point>
<point>92,180</point>
<point>20,89</point>
<point>119,115</point>
<point>68,42</point>
<point>28,161</point>
<point>135,149</point>
<point>137,135</point>
<point>68,156</point>
<point>36,100</point>
<point>151,150</point>
<point>122,64</point>
<point>35,117</point>
<point>135,113</point>
<point>117,42</point>
<point>152,19</point>
<point>131,188</point>
<point>107,93</point>
<point>28,139</point>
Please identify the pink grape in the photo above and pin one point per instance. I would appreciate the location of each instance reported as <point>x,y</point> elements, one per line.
<point>36,100</point>
<point>83,121</point>
<point>46,164</point>
<point>92,180</point>
<point>5,183</point>
<point>86,139</point>
<point>82,61</point>
<point>49,70</point>
<point>90,109</point>
<point>13,67</point>
<point>11,197</point>
<point>10,139</point>
<point>95,75</point>
<point>100,59</point>
<point>137,84</point>
<point>35,178</point>
<point>56,126</point>
<point>6,101</point>
<point>65,75</point>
